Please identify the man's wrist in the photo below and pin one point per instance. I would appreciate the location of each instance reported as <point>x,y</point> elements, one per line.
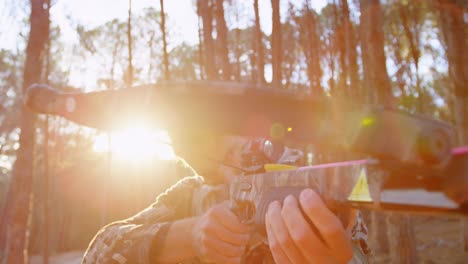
<point>180,235</point>
<point>194,235</point>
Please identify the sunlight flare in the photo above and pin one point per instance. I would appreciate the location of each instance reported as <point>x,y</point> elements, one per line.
<point>136,144</point>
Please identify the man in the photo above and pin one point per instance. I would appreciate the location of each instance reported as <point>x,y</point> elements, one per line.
<point>191,223</point>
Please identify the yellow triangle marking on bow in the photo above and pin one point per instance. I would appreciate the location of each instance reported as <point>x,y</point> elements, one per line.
<point>360,192</point>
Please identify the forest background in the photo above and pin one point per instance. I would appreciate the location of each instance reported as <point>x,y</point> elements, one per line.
<point>408,54</point>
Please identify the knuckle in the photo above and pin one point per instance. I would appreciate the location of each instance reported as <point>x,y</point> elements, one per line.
<point>232,261</point>
<point>300,238</point>
<point>238,241</point>
<point>204,227</point>
<point>210,256</point>
<point>204,252</point>
<point>209,225</point>
<point>211,212</point>
<point>238,251</point>
<point>333,228</point>
<point>204,240</point>
<point>275,246</point>
<point>245,238</point>
<point>283,240</point>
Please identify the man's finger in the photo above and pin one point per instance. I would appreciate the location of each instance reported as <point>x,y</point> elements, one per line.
<point>222,233</point>
<point>278,254</point>
<point>327,223</point>
<point>310,245</point>
<point>227,218</point>
<point>281,234</point>
<point>223,248</point>
<point>214,256</point>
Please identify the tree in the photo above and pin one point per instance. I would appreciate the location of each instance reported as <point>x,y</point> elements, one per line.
<point>11,70</point>
<point>19,198</point>
<point>291,60</point>
<point>148,43</point>
<point>106,44</point>
<point>376,83</point>
<point>129,79</point>
<point>453,29</point>
<point>376,79</point>
<point>108,47</point>
<point>241,48</point>
<point>329,47</point>
<point>259,76</point>
<point>200,43</point>
<point>222,40</point>
<point>183,64</point>
<point>309,28</point>
<point>205,11</point>
<point>276,49</point>
<point>350,49</point>
<point>340,51</point>
<point>411,16</point>
<point>163,30</point>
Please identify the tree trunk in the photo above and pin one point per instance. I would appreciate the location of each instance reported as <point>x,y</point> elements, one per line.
<point>222,41</point>
<point>453,29</point>
<point>46,175</point>
<point>377,81</point>
<point>129,39</point>
<point>376,78</point>
<point>402,238</point>
<point>163,30</point>
<point>151,55</point>
<point>200,45</point>
<point>16,214</point>
<point>258,48</point>
<point>465,234</point>
<point>276,50</point>
<point>339,44</point>
<point>413,39</point>
<point>111,85</point>
<point>351,53</point>
<point>378,232</point>
<point>238,54</point>
<point>311,50</point>
<point>207,20</point>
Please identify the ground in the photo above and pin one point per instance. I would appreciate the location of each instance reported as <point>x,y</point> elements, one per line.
<point>438,240</point>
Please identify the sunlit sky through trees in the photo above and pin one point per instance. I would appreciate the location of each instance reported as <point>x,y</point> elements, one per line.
<point>67,15</point>
<point>182,24</point>
<point>76,65</point>
<point>181,14</point>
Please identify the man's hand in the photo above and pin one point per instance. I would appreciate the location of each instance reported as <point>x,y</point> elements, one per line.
<point>219,236</point>
<point>293,240</point>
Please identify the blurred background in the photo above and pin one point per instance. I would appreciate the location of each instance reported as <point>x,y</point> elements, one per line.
<point>409,54</point>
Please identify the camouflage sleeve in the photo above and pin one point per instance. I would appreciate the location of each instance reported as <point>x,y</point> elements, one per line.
<point>131,240</point>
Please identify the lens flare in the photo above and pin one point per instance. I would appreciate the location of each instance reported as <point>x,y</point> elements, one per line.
<point>136,144</point>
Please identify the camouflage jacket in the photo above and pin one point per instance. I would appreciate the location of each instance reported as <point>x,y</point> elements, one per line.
<point>133,240</point>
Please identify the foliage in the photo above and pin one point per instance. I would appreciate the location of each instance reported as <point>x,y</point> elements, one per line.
<point>322,52</point>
